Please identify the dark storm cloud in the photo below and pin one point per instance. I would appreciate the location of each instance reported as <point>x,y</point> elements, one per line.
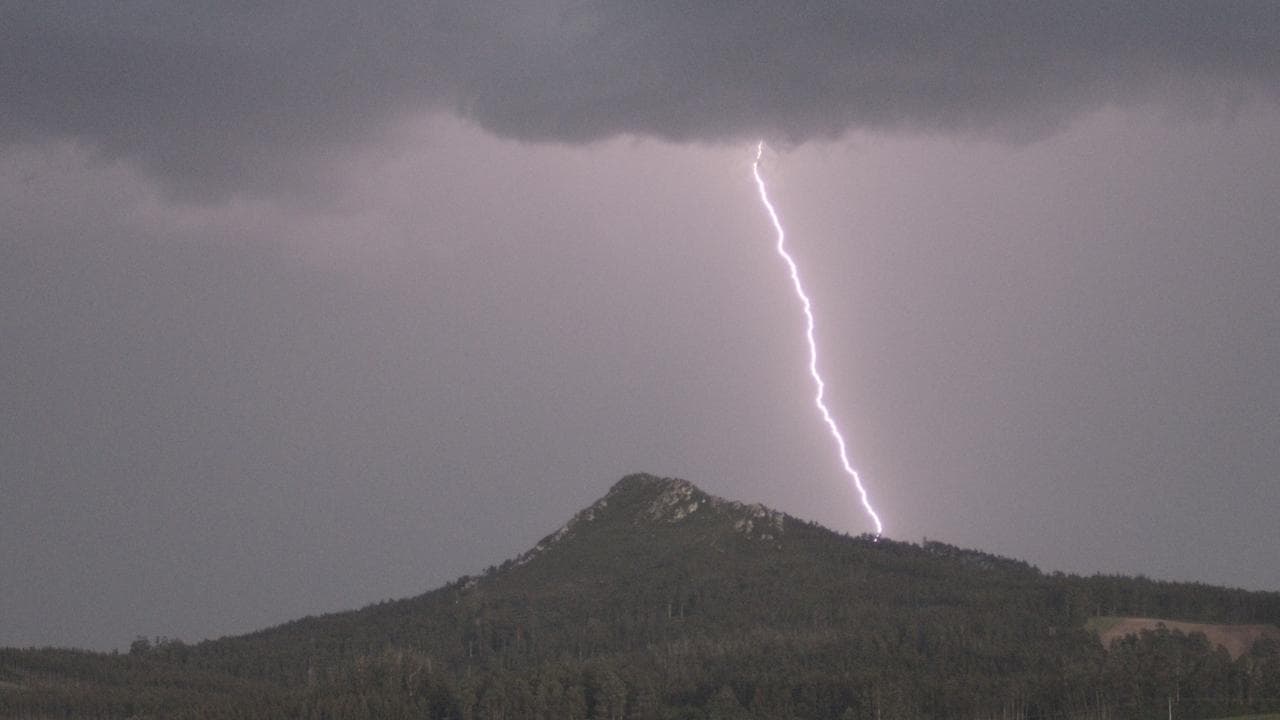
<point>227,96</point>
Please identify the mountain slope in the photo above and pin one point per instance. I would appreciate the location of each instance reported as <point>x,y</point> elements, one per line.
<point>662,601</point>
<point>656,559</point>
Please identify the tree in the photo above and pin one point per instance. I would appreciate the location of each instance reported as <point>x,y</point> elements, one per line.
<point>141,645</point>
<point>724,705</point>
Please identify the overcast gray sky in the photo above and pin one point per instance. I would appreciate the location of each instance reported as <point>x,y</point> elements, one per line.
<point>311,307</point>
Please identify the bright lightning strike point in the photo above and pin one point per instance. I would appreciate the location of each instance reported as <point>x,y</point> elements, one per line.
<point>813,345</point>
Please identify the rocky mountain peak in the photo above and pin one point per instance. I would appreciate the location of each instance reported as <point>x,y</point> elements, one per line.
<point>643,500</point>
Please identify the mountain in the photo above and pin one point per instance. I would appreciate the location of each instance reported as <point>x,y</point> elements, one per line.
<point>661,601</point>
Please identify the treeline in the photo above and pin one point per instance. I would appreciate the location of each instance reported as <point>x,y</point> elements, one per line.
<point>776,678</point>
<point>48,683</point>
<point>634,615</point>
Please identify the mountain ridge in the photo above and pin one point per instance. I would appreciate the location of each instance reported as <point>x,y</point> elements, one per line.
<point>660,600</point>
<point>662,499</point>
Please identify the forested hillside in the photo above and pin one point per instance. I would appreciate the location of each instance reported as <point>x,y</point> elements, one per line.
<point>660,601</point>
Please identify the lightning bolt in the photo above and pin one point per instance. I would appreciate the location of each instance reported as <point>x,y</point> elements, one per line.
<point>813,345</point>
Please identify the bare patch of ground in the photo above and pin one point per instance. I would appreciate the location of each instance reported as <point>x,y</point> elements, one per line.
<point>1237,639</point>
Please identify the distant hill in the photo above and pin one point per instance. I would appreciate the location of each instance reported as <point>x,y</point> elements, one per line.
<point>661,601</point>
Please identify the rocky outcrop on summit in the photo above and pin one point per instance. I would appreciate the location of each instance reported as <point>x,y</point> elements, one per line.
<point>671,500</point>
<point>650,501</point>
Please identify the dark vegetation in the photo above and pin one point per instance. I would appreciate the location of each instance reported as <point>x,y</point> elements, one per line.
<point>662,602</point>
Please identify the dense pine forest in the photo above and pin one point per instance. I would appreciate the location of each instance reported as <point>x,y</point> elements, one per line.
<point>660,601</point>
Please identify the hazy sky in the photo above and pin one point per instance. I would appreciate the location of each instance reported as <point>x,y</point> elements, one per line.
<point>311,307</point>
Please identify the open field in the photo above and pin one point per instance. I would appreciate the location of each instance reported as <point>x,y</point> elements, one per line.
<point>1103,624</point>
<point>1237,639</point>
